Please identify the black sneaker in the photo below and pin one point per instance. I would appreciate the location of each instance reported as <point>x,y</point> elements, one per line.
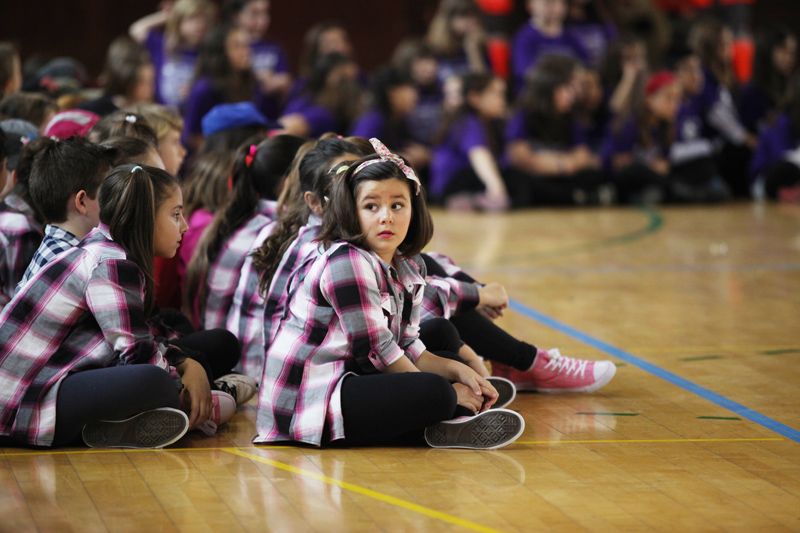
<point>489,430</point>
<point>151,429</point>
<point>505,389</point>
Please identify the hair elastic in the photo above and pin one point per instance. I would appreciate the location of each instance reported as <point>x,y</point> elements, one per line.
<point>130,118</point>
<point>248,159</point>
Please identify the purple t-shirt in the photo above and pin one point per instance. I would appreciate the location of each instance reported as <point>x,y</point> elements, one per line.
<point>173,71</point>
<point>319,119</point>
<point>754,107</point>
<point>530,44</point>
<point>773,143</point>
<point>595,38</point>
<point>692,139</point>
<point>370,124</point>
<point>625,140</point>
<point>452,156</point>
<point>424,121</point>
<point>268,56</point>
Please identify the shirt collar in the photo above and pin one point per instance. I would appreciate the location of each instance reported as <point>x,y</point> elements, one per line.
<point>55,232</point>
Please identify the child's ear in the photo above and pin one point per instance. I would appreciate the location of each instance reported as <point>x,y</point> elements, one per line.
<point>313,202</point>
<point>80,202</point>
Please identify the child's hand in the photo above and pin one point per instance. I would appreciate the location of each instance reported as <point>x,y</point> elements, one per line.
<point>477,385</point>
<point>466,398</point>
<point>493,295</point>
<point>473,360</point>
<point>196,393</point>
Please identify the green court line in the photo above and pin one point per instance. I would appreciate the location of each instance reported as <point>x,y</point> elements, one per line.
<point>654,223</point>
<point>702,357</point>
<point>781,352</point>
<point>609,414</point>
<point>719,418</point>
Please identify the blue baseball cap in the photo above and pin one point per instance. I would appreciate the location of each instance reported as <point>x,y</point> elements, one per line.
<point>18,133</point>
<point>228,116</point>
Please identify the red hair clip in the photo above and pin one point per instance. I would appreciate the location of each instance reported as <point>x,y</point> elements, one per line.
<point>248,159</point>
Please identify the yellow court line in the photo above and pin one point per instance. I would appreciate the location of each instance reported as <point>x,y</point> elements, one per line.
<point>357,489</point>
<point>125,450</point>
<point>647,441</point>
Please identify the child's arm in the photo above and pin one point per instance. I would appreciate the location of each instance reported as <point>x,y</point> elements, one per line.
<point>485,167</point>
<point>140,28</point>
<point>114,297</point>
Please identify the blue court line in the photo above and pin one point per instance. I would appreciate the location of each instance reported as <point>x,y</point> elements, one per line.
<point>711,396</point>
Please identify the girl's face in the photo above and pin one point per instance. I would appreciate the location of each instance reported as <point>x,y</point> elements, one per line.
<point>346,72</point>
<point>170,225</point>
<point>254,19</point>
<point>726,45</point>
<point>548,11</point>
<point>14,83</point>
<point>665,102</point>
<point>564,96</point>
<point>464,23</point>
<point>452,93</point>
<point>193,29</point>
<point>403,99</point>
<point>423,70</point>
<point>237,48</point>
<point>690,75</point>
<point>384,214</point>
<point>784,56</point>
<point>491,103</point>
<point>591,89</point>
<point>334,40</point>
<point>144,89</point>
<point>172,151</point>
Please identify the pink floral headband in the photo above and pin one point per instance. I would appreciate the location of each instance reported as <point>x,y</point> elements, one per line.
<point>386,155</point>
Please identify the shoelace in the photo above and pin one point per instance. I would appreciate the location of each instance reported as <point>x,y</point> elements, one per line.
<point>560,363</point>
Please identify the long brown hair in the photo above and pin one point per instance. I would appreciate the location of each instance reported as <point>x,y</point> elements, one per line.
<point>340,221</point>
<point>311,175</point>
<point>257,172</point>
<point>129,200</point>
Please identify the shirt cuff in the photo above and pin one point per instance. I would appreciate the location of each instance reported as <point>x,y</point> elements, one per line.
<point>380,360</point>
<point>469,296</point>
<point>414,350</point>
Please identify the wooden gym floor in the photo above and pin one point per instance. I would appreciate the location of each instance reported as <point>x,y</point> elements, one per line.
<point>699,307</point>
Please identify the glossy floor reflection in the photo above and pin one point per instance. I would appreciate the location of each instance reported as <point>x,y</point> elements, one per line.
<point>708,294</point>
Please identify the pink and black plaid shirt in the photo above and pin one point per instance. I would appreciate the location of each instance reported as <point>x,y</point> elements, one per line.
<point>445,296</point>
<point>20,236</point>
<point>223,273</point>
<point>352,313</point>
<point>84,309</point>
<point>297,256</point>
<point>246,315</point>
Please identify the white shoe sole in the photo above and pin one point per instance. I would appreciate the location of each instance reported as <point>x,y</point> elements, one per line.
<point>489,430</point>
<point>151,429</point>
<point>506,391</point>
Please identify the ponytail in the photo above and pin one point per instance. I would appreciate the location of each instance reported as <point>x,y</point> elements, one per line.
<point>129,199</point>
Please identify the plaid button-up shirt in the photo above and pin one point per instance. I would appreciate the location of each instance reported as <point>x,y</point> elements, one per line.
<point>56,240</point>
<point>445,296</point>
<point>296,257</point>
<point>246,315</point>
<point>223,273</point>
<point>83,310</point>
<point>20,236</point>
<point>351,313</point>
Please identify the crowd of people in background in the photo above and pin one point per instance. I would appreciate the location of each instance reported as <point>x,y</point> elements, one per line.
<point>591,104</point>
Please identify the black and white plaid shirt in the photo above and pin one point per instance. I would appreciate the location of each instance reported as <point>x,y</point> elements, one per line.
<point>56,240</point>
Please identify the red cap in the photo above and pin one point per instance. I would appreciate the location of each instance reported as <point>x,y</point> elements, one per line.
<point>71,123</point>
<point>658,81</point>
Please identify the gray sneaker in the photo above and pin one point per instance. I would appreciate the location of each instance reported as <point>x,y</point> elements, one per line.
<point>505,389</point>
<point>150,429</point>
<point>489,430</point>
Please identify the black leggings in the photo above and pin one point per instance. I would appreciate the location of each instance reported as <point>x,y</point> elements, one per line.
<point>218,350</point>
<point>117,393</point>
<point>481,334</point>
<point>781,175</point>
<point>113,393</point>
<point>395,409</point>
